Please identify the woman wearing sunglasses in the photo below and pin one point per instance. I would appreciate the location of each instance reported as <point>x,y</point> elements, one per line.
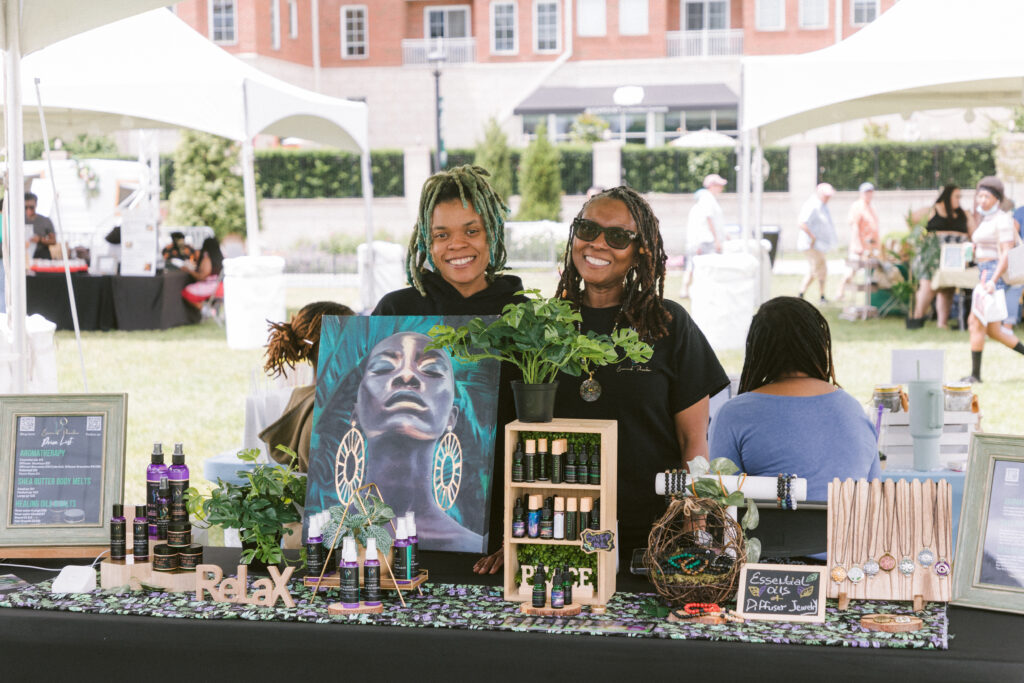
<point>614,272</point>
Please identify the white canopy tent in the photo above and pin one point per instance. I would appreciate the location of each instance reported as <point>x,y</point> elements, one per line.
<point>154,71</point>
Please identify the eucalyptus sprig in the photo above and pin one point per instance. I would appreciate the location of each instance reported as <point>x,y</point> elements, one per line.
<point>541,337</point>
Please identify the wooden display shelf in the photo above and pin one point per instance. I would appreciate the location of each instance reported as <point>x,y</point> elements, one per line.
<point>129,573</point>
<point>605,492</point>
<point>570,610</point>
<point>334,581</point>
<point>337,608</point>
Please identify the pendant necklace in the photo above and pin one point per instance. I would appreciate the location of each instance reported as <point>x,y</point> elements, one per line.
<point>590,388</point>
<point>855,574</point>
<point>942,568</point>
<point>907,564</point>
<point>926,557</point>
<point>871,566</point>
<point>838,573</point>
<point>887,562</point>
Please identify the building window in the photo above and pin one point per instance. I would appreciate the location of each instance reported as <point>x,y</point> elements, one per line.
<point>503,28</point>
<point>546,26</point>
<point>813,13</point>
<point>864,11</point>
<point>771,15</point>
<point>275,24</point>
<point>633,18</point>
<point>223,21</point>
<point>590,18</point>
<point>293,19</point>
<point>447,22</point>
<point>701,15</point>
<point>354,41</point>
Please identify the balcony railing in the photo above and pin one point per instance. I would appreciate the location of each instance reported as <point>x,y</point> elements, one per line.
<point>710,43</point>
<point>455,50</point>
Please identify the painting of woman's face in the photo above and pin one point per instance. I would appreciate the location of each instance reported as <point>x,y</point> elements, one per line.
<point>407,389</point>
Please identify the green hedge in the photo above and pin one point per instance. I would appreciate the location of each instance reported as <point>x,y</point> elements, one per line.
<point>906,165</point>
<point>577,166</point>
<point>680,171</point>
<point>291,174</point>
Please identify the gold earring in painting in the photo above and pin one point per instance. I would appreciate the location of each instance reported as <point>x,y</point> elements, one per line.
<point>447,473</point>
<point>350,463</point>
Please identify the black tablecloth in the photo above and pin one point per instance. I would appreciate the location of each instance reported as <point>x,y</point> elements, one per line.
<point>108,302</point>
<point>39,644</point>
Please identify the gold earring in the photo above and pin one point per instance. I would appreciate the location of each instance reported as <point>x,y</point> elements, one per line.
<point>447,473</point>
<point>349,463</point>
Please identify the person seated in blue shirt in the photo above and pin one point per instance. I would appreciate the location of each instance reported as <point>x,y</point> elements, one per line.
<point>790,415</point>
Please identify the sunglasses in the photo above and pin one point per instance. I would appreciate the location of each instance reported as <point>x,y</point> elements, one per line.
<point>616,238</point>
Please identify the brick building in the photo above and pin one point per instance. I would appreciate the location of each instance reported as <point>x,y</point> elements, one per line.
<point>525,61</point>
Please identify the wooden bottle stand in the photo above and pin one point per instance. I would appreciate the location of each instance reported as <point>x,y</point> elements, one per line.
<point>872,531</point>
<point>606,491</point>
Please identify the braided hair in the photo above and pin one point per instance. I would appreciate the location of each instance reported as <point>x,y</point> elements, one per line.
<point>643,307</point>
<point>787,335</point>
<point>299,340</point>
<point>469,185</point>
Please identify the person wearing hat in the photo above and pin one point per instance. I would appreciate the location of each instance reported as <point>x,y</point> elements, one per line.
<point>993,239</point>
<point>704,229</point>
<point>817,235</point>
<point>864,238</point>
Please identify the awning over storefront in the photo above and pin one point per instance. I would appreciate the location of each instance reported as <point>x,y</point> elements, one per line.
<point>565,100</point>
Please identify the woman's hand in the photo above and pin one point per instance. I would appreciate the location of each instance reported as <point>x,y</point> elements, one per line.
<point>490,564</point>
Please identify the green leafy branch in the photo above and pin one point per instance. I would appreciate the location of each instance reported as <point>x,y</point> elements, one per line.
<point>705,486</point>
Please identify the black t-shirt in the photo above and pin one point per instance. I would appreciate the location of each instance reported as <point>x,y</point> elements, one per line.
<point>443,299</point>
<point>645,399</point>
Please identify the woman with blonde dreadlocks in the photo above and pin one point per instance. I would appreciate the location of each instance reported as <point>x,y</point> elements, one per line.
<point>614,273</point>
<point>288,345</point>
<point>460,235</point>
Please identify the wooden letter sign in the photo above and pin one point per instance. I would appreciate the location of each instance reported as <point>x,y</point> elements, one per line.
<point>233,589</point>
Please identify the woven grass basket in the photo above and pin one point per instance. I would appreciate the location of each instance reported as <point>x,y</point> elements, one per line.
<point>703,525</point>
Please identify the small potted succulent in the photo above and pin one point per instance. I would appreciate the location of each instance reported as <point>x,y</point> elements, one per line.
<point>541,337</point>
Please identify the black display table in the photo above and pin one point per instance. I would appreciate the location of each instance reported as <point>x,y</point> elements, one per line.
<point>42,645</point>
<point>106,302</point>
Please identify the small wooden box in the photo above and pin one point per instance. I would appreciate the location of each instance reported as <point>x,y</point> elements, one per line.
<point>606,491</point>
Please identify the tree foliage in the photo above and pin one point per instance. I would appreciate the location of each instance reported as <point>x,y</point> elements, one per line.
<point>540,180</point>
<point>587,128</point>
<point>494,154</point>
<point>207,188</point>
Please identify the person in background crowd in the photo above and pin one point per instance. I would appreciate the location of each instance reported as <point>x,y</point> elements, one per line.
<point>705,231</point>
<point>179,251</point>
<point>993,239</point>
<point>817,235</point>
<point>951,224</point>
<point>1013,292</point>
<point>43,234</point>
<point>791,416</point>
<point>864,237</point>
<point>614,274</point>
<point>206,274</point>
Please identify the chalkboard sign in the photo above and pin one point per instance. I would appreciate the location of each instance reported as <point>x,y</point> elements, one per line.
<point>781,592</point>
<point>64,467</point>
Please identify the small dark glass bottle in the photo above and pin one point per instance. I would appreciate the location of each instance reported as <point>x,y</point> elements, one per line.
<point>570,466</point>
<point>517,463</point>
<point>595,467</point>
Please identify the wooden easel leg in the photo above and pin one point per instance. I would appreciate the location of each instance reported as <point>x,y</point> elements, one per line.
<point>918,603</point>
<point>844,602</point>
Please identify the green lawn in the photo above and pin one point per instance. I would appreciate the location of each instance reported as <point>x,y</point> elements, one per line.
<point>186,385</point>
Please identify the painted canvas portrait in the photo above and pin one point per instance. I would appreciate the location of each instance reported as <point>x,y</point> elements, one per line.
<point>412,420</point>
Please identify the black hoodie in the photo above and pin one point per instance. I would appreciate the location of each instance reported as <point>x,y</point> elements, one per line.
<point>443,299</point>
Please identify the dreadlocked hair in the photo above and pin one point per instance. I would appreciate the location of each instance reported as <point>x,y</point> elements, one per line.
<point>787,335</point>
<point>291,343</point>
<point>469,185</point>
<point>643,307</point>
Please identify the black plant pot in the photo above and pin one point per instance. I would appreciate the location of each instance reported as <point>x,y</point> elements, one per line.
<point>258,566</point>
<point>535,402</point>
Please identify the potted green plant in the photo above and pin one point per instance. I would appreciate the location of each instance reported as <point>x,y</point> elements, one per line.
<point>261,508</point>
<point>541,337</point>
<point>364,524</point>
<point>917,251</point>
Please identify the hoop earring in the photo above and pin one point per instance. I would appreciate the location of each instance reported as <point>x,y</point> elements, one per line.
<point>447,459</point>
<point>349,463</point>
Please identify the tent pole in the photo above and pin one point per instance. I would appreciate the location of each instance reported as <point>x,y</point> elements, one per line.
<point>15,192</point>
<point>743,179</point>
<point>367,176</point>
<point>252,214</point>
<point>757,195</point>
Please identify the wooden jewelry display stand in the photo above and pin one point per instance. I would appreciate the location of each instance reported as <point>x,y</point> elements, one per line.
<point>606,491</point>
<point>869,520</point>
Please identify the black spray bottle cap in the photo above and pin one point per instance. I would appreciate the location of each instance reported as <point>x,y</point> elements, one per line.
<point>165,487</point>
<point>158,454</point>
<point>178,457</point>
<point>118,510</point>
<point>140,511</point>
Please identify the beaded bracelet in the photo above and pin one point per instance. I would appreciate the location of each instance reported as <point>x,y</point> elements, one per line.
<point>696,609</point>
<point>789,492</point>
<point>780,489</point>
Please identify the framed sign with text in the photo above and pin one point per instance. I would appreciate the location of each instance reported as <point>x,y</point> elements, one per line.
<point>988,572</point>
<point>62,467</point>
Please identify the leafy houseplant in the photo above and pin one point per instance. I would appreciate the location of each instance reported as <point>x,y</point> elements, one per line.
<point>919,251</point>
<point>363,524</point>
<point>259,508</point>
<point>541,337</point>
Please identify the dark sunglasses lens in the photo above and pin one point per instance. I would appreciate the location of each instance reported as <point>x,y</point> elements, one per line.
<point>617,238</point>
<point>586,230</point>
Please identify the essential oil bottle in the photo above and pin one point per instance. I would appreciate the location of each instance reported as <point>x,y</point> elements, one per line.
<point>543,473</point>
<point>371,574</point>
<point>118,533</point>
<point>567,585</point>
<point>414,544</point>
<point>557,592</point>
<point>177,475</point>
<point>530,460</point>
<point>517,463</point>
<point>595,467</point>
<point>586,505</point>
<point>163,509</point>
<point>595,515</point>
<point>559,526</point>
<point>314,548</point>
<point>547,518</point>
<point>518,519</point>
<point>571,521</point>
<point>140,535</point>
<point>582,471</point>
<point>154,472</point>
<point>349,584</point>
<point>533,517</point>
<point>540,587</point>
<point>570,465</point>
<point>401,565</point>
<point>557,449</point>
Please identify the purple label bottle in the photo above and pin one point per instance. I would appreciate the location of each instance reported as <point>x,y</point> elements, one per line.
<point>118,533</point>
<point>140,535</point>
<point>414,544</point>
<point>163,509</point>
<point>177,475</point>
<point>154,472</point>
<point>349,574</point>
<point>371,575</point>
<point>402,554</point>
<point>314,549</point>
